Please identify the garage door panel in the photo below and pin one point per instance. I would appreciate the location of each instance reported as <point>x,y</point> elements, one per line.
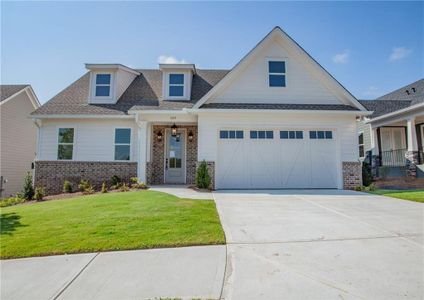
<point>232,163</point>
<point>277,162</point>
<point>263,170</point>
<point>323,164</point>
<point>294,154</point>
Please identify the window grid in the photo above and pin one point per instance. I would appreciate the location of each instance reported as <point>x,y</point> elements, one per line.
<point>122,144</point>
<point>361,145</point>
<point>261,134</point>
<point>231,134</point>
<point>277,73</point>
<point>291,134</point>
<point>176,85</point>
<point>320,135</point>
<point>65,144</point>
<point>103,85</point>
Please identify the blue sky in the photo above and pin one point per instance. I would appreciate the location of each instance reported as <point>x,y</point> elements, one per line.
<point>372,48</point>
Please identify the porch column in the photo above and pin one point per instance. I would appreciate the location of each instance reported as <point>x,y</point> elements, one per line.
<point>142,150</point>
<point>375,155</point>
<point>411,154</point>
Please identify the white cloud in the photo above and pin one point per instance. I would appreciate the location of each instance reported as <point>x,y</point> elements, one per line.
<point>399,53</point>
<point>372,92</point>
<point>342,58</point>
<point>165,59</point>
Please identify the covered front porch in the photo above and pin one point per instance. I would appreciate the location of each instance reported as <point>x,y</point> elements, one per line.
<point>397,144</point>
<point>168,145</point>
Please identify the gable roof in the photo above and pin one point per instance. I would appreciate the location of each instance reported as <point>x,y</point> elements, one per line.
<point>396,100</point>
<point>7,90</point>
<point>145,92</point>
<point>413,92</point>
<point>327,79</point>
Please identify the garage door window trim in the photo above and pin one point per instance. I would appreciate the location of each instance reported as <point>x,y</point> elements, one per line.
<point>231,134</point>
<point>320,135</point>
<point>291,134</point>
<point>261,134</point>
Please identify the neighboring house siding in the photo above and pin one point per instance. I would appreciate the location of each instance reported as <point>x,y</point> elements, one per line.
<point>210,124</point>
<point>252,86</point>
<point>366,129</point>
<point>93,141</point>
<point>18,142</point>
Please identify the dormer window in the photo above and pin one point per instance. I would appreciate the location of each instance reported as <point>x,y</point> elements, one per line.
<point>176,85</point>
<point>103,84</point>
<point>277,73</point>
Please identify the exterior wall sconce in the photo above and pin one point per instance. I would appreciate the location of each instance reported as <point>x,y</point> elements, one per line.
<point>159,136</point>
<point>190,136</point>
<point>174,130</point>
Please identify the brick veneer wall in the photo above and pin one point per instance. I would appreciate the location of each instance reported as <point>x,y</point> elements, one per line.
<point>155,168</point>
<point>52,174</point>
<point>352,174</point>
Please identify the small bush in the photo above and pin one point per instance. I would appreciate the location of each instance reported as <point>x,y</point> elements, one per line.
<point>358,188</point>
<point>67,186</point>
<point>384,172</point>
<point>11,201</point>
<point>39,193</point>
<point>124,188</point>
<point>203,179</point>
<point>86,188</point>
<point>116,180</point>
<point>135,184</point>
<point>89,190</point>
<point>28,190</point>
<point>366,174</point>
<point>371,187</point>
<point>104,188</point>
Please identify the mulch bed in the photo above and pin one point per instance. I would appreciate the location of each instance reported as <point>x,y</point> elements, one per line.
<point>400,183</point>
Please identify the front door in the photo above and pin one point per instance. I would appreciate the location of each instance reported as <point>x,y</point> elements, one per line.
<point>175,157</point>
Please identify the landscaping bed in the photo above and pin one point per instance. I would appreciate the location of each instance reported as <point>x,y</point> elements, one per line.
<point>110,221</point>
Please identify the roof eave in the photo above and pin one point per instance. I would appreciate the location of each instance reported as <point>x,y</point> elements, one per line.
<point>395,113</point>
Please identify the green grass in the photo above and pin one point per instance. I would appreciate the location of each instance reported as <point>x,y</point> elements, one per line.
<point>412,195</point>
<point>113,221</point>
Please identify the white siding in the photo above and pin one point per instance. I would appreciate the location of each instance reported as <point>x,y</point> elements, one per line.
<point>252,85</point>
<point>93,140</point>
<point>18,142</point>
<point>366,129</point>
<point>123,81</point>
<point>209,125</point>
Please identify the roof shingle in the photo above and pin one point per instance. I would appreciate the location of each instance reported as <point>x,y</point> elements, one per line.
<point>7,90</point>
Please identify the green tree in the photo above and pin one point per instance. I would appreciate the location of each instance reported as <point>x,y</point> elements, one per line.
<point>203,179</point>
<point>28,189</point>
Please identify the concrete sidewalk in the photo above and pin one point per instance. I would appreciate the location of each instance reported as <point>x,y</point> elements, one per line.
<point>187,273</point>
<point>182,191</point>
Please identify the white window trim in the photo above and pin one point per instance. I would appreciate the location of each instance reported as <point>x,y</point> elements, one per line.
<point>122,144</point>
<point>57,141</point>
<point>184,96</point>
<point>422,137</point>
<point>111,85</point>
<point>277,59</point>
<point>363,144</point>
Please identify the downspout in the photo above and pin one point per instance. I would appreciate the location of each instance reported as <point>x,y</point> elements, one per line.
<point>38,124</point>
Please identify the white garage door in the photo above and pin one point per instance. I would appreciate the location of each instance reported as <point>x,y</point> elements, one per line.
<point>249,159</point>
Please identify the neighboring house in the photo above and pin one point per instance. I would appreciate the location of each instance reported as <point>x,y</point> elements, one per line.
<point>393,135</point>
<point>18,136</point>
<point>275,120</point>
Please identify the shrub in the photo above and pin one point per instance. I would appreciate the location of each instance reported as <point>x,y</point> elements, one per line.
<point>67,186</point>
<point>39,193</point>
<point>203,179</point>
<point>124,188</point>
<point>104,188</point>
<point>135,184</point>
<point>28,190</point>
<point>11,201</point>
<point>371,187</point>
<point>358,188</point>
<point>115,180</point>
<point>384,172</point>
<point>89,190</point>
<point>85,187</point>
<point>366,174</point>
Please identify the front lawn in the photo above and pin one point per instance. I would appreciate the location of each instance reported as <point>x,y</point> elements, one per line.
<point>412,195</point>
<point>113,221</point>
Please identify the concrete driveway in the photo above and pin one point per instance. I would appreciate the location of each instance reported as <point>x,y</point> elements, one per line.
<point>321,245</point>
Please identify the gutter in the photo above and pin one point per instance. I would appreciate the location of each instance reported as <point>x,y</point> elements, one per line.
<point>82,116</point>
<point>270,111</point>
